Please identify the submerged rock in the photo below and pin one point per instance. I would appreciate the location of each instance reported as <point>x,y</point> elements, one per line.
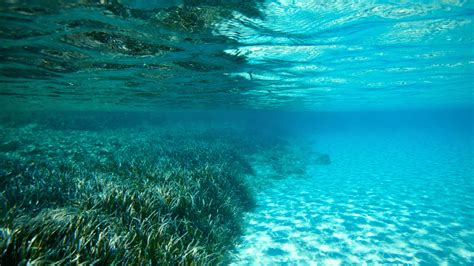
<point>323,159</point>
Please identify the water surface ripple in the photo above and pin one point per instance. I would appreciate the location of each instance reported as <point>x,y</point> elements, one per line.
<point>277,54</point>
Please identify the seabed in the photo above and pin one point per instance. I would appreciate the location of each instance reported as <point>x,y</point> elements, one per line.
<point>79,190</point>
<point>155,193</point>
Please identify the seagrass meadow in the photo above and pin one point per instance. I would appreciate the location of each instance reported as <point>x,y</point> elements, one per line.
<point>91,189</point>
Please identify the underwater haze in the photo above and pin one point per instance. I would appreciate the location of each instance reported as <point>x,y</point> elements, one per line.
<point>233,132</point>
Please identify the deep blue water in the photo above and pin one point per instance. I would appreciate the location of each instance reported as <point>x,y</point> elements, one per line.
<point>384,88</point>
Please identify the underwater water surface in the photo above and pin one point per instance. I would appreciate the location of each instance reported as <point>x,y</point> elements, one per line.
<point>259,132</point>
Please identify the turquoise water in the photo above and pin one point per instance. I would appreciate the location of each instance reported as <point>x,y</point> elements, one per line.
<point>264,132</point>
<point>392,195</point>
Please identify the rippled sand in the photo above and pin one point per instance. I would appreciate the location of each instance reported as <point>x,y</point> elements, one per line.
<point>387,197</point>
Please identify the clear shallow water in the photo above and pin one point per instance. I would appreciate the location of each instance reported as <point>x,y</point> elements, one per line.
<point>385,90</point>
<point>398,188</point>
<point>389,197</point>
